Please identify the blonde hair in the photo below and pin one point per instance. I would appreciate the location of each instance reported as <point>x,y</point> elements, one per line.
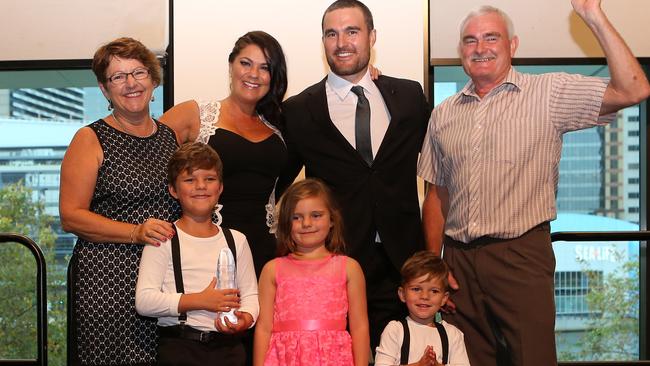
<point>296,192</point>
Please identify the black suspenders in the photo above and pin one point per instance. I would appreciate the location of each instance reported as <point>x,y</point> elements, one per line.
<point>406,343</point>
<point>176,262</point>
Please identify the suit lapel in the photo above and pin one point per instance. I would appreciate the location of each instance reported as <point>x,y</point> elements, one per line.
<point>317,105</point>
<point>388,92</point>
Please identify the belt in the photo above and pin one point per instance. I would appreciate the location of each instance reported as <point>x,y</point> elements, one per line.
<point>486,240</point>
<point>187,332</point>
<point>319,324</point>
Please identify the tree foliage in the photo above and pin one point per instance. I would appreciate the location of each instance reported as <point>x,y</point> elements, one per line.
<point>613,324</point>
<point>20,214</point>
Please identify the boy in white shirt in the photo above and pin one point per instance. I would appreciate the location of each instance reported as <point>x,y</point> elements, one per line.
<point>424,290</point>
<point>190,330</point>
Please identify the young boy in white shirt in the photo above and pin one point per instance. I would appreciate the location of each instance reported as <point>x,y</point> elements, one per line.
<point>424,290</point>
<point>190,330</point>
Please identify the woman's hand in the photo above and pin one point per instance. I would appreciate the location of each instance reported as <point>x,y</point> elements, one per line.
<point>152,231</point>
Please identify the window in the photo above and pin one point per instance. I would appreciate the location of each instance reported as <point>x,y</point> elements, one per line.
<point>571,288</point>
<point>40,110</point>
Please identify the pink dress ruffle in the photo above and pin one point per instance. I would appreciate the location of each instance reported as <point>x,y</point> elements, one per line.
<point>310,314</point>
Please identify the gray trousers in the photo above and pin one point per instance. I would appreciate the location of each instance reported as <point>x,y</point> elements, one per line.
<point>505,304</point>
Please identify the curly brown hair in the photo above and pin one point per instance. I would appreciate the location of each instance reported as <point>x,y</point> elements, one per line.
<point>127,48</point>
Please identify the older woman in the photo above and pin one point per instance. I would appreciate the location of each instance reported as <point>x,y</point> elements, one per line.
<point>114,198</point>
<point>242,128</point>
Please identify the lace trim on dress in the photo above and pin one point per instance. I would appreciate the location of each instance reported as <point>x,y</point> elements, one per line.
<point>209,115</point>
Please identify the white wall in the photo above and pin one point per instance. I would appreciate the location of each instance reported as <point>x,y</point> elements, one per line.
<point>205,31</point>
<point>547,28</point>
<point>74,29</point>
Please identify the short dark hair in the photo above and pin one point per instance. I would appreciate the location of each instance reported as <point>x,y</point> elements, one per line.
<point>425,263</point>
<point>343,4</point>
<point>126,48</point>
<point>310,187</point>
<point>270,105</point>
<point>192,156</point>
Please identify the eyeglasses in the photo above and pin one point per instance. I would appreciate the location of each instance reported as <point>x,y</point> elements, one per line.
<point>120,77</point>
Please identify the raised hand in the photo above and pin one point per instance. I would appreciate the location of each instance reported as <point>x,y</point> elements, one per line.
<point>587,9</point>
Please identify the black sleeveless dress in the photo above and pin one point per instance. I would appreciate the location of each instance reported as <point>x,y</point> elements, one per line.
<point>250,170</point>
<point>131,187</point>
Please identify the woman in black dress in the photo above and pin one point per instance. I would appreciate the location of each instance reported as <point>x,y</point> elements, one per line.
<point>114,198</point>
<point>242,128</point>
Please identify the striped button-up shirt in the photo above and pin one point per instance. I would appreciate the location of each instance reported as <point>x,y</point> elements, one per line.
<point>498,156</point>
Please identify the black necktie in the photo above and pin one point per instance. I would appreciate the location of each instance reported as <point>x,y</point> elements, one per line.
<point>362,125</point>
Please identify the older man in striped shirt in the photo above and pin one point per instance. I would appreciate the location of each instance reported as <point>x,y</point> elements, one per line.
<point>491,157</point>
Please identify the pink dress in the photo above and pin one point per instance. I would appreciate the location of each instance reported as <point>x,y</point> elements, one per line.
<point>310,313</point>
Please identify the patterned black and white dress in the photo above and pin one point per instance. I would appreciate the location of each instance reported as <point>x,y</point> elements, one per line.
<point>131,187</point>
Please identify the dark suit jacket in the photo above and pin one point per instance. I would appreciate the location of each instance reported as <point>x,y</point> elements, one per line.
<point>378,198</point>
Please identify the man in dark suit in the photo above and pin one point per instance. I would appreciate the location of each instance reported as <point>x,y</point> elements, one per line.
<point>362,138</point>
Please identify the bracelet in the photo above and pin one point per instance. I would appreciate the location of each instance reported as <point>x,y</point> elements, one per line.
<point>132,232</point>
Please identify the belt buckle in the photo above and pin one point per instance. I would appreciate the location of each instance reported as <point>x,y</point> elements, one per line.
<point>205,337</point>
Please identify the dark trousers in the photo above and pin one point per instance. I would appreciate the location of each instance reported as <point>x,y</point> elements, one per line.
<point>382,281</point>
<point>227,351</point>
<point>505,304</point>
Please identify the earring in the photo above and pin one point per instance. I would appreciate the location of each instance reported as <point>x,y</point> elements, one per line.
<point>153,98</point>
<point>110,104</point>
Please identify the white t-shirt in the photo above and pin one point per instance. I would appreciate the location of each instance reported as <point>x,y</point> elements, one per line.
<point>390,346</point>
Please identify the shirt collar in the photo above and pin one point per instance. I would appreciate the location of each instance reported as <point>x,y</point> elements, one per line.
<point>342,87</point>
<point>514,79</point>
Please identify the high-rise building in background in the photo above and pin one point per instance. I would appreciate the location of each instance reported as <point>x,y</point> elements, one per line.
<point>47,103</point>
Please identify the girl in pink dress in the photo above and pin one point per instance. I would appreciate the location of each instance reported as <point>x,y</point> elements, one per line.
<point>312,291</point>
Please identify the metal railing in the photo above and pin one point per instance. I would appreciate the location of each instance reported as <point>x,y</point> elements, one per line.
<point>41,300</point>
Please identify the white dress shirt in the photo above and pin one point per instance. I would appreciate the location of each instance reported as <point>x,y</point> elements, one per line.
<point>342,105</point>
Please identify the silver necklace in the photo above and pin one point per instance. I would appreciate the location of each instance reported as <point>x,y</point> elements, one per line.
<point>153,127</point>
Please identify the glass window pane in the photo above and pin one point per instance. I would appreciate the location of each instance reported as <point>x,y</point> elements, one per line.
<point>18,289</point>
<point>40,111</point>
